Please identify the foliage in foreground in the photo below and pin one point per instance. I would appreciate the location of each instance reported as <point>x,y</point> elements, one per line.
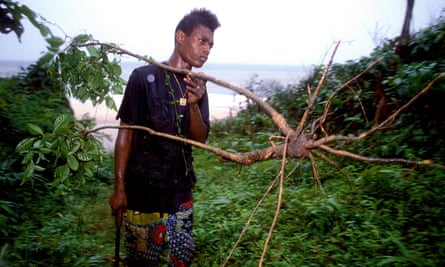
<point>393,217</point>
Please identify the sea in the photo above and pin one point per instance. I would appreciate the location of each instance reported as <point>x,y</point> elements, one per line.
<point>223,102</point>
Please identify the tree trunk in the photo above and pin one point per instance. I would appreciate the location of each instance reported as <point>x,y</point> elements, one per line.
<point>402,46</point>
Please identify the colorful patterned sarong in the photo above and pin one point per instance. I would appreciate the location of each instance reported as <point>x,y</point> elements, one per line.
<point>145,235</point>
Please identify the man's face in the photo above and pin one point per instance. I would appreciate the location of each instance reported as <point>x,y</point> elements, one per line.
<point>195,48</point>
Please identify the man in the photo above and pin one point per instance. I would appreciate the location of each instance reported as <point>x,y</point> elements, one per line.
<point>153,175</point>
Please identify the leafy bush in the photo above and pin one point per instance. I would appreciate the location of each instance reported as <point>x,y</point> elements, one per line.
<point>38,226</point>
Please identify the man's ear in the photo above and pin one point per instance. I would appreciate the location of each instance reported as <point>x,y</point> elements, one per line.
<point>180,35</point>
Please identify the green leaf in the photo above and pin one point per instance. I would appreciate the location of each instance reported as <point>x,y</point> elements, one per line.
<point>37,144</point>
<point>40,157</point>
<point>29,171</point>
<point>74,146</point>
<point>45,150</point>
<point>80,39</point>
<point>61,125</point>
<point>54,43</point>
<point>72,162</point>
<point>355,118</point>
<point>25,145</point>
<point>47,58</point>
<point>109,102</point>
<point>38,168</point>
<point>89,172</point>
<point>62,173</point>
<point>221,200</point>
<point>44,31</point>
<point>117,89</point>
<point>84,156</point>
<point>34,129</point>
<point>93,51</point>
<point>28,157</point>
<point>116,69</point>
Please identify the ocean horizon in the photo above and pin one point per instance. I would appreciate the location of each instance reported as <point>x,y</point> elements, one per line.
<point>219,97</point>
<point>238,74</point>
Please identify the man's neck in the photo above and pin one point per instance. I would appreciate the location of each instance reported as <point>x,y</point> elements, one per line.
<point>177,62</point>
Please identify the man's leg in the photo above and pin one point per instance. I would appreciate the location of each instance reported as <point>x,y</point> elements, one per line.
<point>180,239</point>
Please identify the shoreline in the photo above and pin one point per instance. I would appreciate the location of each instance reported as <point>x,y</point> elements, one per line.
<point>103,116</point>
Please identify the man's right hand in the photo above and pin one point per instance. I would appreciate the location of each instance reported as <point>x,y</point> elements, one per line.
<point>118,199</point>
<point>118,202</point>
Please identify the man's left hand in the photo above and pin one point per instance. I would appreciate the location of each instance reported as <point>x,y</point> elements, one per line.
<point>196,88</point>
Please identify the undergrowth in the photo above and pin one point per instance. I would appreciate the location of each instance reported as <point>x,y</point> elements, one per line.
<point>391,216</point>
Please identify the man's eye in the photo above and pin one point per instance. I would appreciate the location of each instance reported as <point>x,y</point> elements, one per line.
<point>204,41</point>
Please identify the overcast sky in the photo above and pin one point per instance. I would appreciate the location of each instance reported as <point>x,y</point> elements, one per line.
<point>294,32</point>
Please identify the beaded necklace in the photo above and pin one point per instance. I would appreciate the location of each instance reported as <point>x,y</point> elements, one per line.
<point>182,99</point>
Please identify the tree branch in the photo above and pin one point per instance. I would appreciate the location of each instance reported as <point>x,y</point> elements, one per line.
<point>280,196</point>
<point>329,102</point>
<point>313,97</point>
<point>347,154</point>
<point>382,125</point>
<point>278,120</point>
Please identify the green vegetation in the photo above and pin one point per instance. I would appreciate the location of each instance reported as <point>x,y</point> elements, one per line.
<point>364,215</point>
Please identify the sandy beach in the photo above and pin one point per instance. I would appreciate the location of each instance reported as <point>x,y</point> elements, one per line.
<point>104,116</point>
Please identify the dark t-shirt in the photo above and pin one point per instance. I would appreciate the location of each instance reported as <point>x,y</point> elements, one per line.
<point>159,173</point>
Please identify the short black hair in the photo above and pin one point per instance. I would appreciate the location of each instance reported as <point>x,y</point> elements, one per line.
<point>198,17</point>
